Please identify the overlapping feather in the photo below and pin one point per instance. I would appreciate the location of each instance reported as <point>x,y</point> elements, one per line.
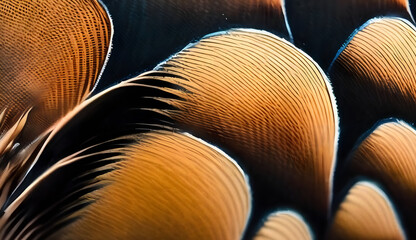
<point>265,103</point>
<point>373,77</point>
<point>253,94</point>
<point>167,186</point>
<point>388,156</point>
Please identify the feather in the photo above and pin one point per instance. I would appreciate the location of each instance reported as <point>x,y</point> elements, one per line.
<point>51,54</point>
<point>387,155</point>
<point>373,77</point>
<point>284,225</point>
<point>266,104</point>
<point>158,184</point>
<point>365,213</point>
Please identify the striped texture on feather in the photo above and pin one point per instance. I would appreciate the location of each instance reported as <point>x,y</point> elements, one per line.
<point>374,76</point>
<point>264,102</point>
<point>388,155</point>
<point>284,225</point>
<point>167,186</point>
<point>365,213</point>
<point>51,54</point>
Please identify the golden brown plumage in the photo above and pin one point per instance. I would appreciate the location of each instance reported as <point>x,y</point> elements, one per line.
<point>365,213</point>
<point>388,155</point>
<point>166,186</point>
<point>51,54</point>
<point>264,102</point>
<point>108,171</point>
<point>284,225</point>
<point>374,76</point>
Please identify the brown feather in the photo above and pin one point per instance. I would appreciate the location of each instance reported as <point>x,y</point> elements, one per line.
<point>167,186</point>
<point>284,225</point>
<point>365,213</point>
<point>264,102</point>
<point>374,77</point>
<point>388,155</point>
<point>51,54</point>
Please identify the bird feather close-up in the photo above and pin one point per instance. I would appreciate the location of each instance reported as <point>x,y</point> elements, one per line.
<point>197,119</point>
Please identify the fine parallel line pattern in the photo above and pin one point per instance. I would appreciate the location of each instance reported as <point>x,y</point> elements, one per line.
<point>365,213</point>
<point>51,54</point>
<point>285,225</point>
<point>374,76</point>
<point>388,155</point>
<point>266,103</point>
<point>167,186</point>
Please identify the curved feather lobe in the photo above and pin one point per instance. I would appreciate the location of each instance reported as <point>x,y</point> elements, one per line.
<point>51,54</point>
<point>266,103</point>
<point>149,31</point>
<point>374,77</point>
<point>388,155</point>
<point>167,186</point>
<point>285,225</point>
<point>365,213</point>
<point>320,27</point>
